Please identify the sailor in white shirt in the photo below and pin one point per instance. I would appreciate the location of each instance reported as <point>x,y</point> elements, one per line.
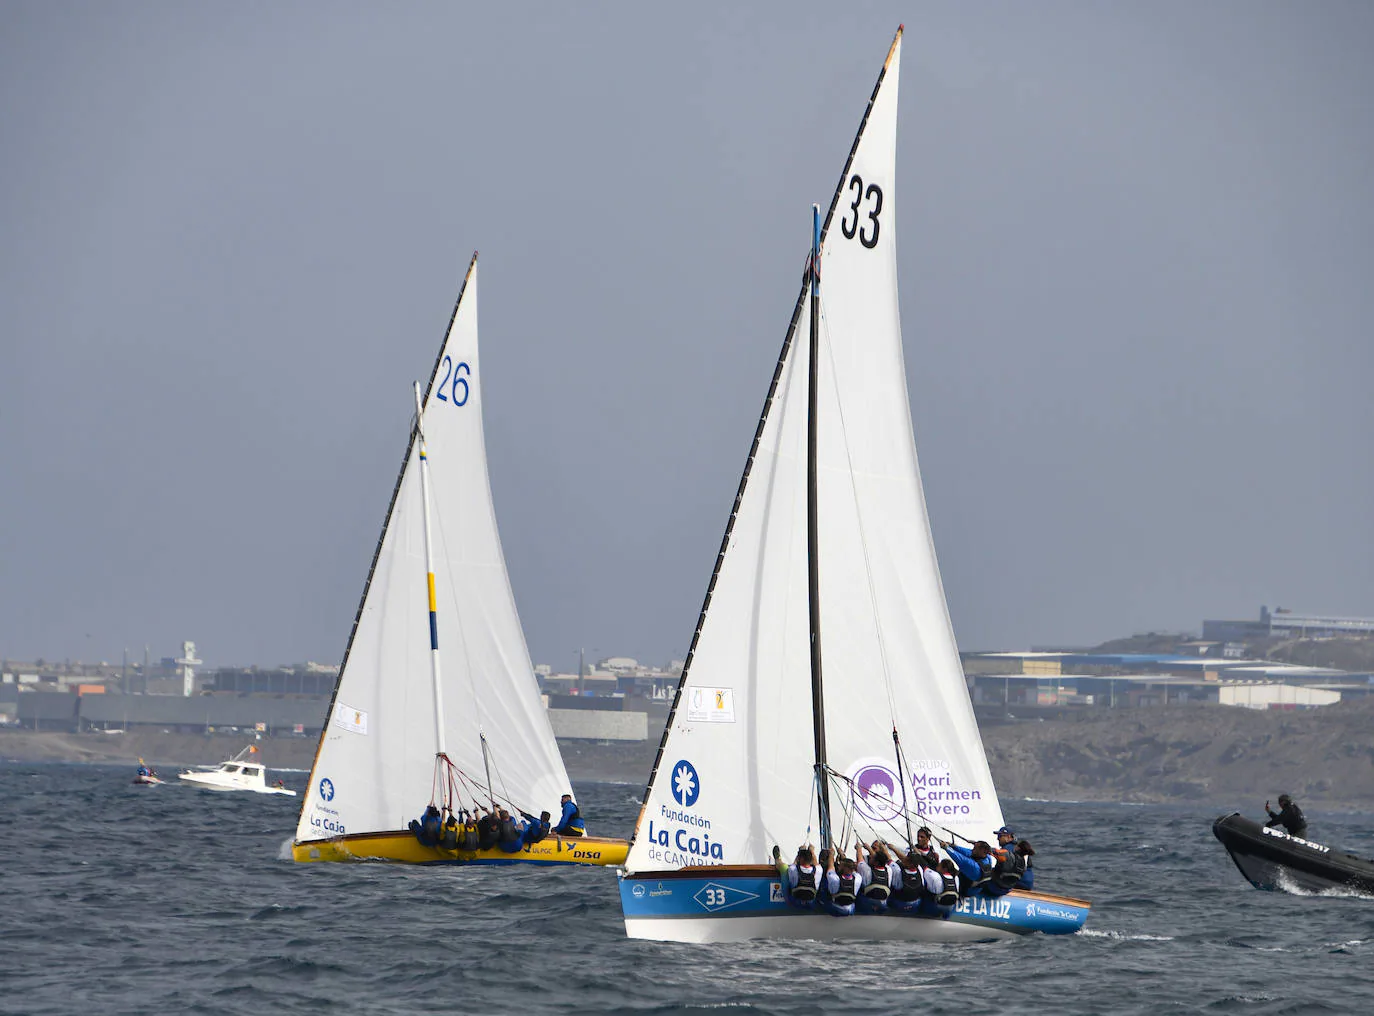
<point>881,875</point>
<point>804,877</point>
<point>843,880</point>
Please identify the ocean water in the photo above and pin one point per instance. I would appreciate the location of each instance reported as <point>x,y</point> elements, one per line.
<point>116,899</point>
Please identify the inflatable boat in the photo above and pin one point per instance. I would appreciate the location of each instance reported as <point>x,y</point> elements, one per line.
<point>1271,858</point>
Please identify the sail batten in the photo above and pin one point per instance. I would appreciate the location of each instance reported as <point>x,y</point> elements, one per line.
<point>736,772</point>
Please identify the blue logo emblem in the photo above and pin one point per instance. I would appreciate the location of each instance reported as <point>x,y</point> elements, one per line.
<point>686,784</point>
<point>327,789</point>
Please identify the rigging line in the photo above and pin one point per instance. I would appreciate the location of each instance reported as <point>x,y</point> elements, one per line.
<point>863,532</point>
<point>925,819</point>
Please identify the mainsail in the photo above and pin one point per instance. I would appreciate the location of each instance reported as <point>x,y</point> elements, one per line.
<point>375,767</point>
<point>735,770</point>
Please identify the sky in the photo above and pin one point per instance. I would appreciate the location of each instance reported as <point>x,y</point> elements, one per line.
<point>1136,251</point>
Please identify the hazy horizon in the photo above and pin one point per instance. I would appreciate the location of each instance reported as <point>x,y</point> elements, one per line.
<point>1135,256</point>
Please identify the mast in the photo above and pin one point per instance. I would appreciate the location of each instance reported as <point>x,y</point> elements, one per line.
<point>812,550</point>
<point>429,577</point>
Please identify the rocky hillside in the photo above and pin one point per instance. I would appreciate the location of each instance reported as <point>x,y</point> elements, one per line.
<point>1223,755</point>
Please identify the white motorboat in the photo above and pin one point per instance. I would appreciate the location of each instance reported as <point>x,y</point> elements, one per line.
<point>238,773</point>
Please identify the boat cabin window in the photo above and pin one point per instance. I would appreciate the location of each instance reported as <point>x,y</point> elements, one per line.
<point>229,767</point>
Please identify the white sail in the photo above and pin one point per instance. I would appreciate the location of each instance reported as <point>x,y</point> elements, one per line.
<point>735,774</point>
<point>376,762</point>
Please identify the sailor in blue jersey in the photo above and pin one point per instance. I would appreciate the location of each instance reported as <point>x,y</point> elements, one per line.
<point>974,863</point>
<point>535,828</point>
<point>427,829</point>
<point>570,823</point>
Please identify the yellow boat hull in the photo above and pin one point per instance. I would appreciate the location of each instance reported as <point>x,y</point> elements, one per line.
<point>404,848</point>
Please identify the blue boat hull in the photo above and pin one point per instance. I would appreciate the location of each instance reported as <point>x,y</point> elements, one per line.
<point>735,906</point>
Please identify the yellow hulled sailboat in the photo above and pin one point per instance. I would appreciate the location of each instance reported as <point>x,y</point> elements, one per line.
<point>404,734</point>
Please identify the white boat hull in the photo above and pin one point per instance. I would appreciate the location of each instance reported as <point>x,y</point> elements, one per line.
<point>200,780</point>
<point>818,927</point>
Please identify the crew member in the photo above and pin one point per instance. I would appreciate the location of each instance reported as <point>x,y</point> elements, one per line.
<point>470,838</point>
<point>925,848</point>
<point>1006,843</point>
<point>974,864</point>
<point>1289,816</point>
<point>803,878</point>
<point>488,830</point>
<point>944,896</point>
<point>570,823</point>
<point>448,834</point>
<point>881,876</point>
<point>535,828</point>
<point>916,877</point>
<point>1012,869</point>
<point>426,830</point>
<point>511,836</point>
<point>844,883</point>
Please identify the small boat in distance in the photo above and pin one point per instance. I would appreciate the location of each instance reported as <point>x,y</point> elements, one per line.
<point>403,736</point>
<point>1271,858</point>
<point>146,776</point>
<point>829,527</point>
<point>238,773</point>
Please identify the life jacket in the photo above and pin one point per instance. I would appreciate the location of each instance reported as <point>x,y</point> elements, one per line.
<point>805,889</point>
<point>847,893</point>
<point>509,834</point>
<point>1008,872</point>
<point>469,839</point>
<point>448,839</point>
<point>949,890</point>
<point>879,889</point>
<point>912,883</point>
<point>985,876</point>
<point>488,832</point>
<point>536,832</point>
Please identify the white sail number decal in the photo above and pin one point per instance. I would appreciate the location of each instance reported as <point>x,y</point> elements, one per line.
<point>452,370</point>
<point>874,194</point>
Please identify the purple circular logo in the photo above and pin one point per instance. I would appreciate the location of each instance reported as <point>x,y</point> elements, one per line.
<point>877,793</point>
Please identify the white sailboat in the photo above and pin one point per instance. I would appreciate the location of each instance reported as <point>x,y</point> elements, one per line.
<point>403,732</point>
<point>777,736</point>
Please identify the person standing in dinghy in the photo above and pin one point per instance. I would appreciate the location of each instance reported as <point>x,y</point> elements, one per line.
<point>1289,816</point>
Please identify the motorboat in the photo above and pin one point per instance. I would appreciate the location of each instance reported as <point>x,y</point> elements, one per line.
<point>1271,858</point>
<point>238,773</point>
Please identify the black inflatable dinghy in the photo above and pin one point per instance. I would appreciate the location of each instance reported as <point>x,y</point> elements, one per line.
<point>1272,859</point>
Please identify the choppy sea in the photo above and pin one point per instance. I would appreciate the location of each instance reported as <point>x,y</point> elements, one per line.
<point>116,899</point>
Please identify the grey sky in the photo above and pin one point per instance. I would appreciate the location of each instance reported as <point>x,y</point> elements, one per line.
<point>1136,252</point>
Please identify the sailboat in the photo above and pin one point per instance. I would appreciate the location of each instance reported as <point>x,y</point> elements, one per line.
<point>775,737</point>
<point>404,733</point>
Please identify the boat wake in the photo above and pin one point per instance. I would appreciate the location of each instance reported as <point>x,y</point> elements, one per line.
<point>1286,883</point>
<point>1121,936</point>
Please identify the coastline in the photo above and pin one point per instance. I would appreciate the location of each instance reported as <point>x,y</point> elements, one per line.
<point>1229,757</point>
